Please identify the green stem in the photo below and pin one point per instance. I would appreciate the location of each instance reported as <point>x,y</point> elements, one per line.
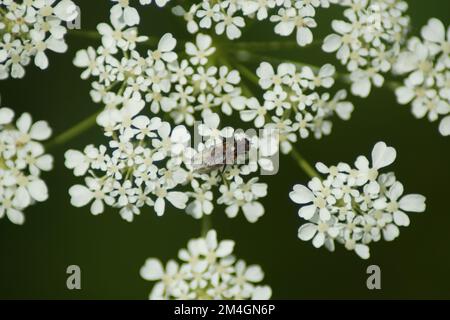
<point>392,85</point>
<point>73,132</point>
<point>88,34</point>
<point>303,164</point>
<point>206,224</point>
<point>247,73</point>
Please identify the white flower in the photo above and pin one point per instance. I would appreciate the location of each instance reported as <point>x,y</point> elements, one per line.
<point>176,198</point>
<point>230,17</point>
<point>29,30</point>
<point>355,206</point>
<point>96,190</point>
<point>368,40</point>
<point>426,63</point>
<point>294,101</point>
<point>255,112</point>
<point>200,50</point>
<point>153,270</point>
<point>22,159</point>
<point>240,195</point>
<point>159,3</point>
<point>207,270</point>
<point>320,196</point>
<point>125,175</point>
<point>444,127</point>
<point>66,10</point>
<point>146,162</point>
<point>189,17</point>
<point>211,131</point>
<point>184,89</point>
<point>382,156</point>
<point>324,77</point>
<point>269,78</point>
<point>123,11</point>
<point>321,233</point>
<point>230,24</point>
<point>202,203</point>
<point>396,204</point>
<point>435,33</point>
<point>299,19</point>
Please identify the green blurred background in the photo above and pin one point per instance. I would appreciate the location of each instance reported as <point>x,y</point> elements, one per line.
<point>110,251</point>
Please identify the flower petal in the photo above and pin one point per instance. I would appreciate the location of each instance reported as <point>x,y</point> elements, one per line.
<point>301,194</point>
<point>152,270</point>
<point>413,203</point>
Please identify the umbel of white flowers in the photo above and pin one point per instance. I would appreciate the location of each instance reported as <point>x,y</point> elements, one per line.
<point>147,163</point>
<point>368,41</point>
<point>28,30</point>
<point>426,61</point>
<point>22,159</point>
<point>355,206</point>
<point>296,102</point>
<point>229,17</point>
<point>206,270</point>
<point>184,89</point>
<point>136,172</point>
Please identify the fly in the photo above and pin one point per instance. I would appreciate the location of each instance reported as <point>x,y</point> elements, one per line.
<point>220,155</point>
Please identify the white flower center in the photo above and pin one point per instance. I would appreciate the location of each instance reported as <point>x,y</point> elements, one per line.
<point>392,206</point>
<point>320,203</point>
<point>322,227</point>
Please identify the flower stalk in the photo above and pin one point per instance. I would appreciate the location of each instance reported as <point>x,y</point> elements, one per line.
<point>206,224</point>
<point>72,132</point>
<point>303,164</point>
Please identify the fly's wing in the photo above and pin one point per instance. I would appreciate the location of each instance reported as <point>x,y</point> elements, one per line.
<point>210,159</point>
<point>229,154</point>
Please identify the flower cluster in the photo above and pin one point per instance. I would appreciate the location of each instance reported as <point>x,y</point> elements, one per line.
<point>427,63</point>
<point>180,90</point>
<point>293,102</point>
<point>355,206</point>
<point>369,40</point>
<point>183,89</point>
<point>146,161</point>
<point>22,159</point>
<point>28,30</point>
<point>228,17</point>
<point>206,270</point>
<point>125,174</point>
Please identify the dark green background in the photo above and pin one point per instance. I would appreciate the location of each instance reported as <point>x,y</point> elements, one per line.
<point>110,251</point>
